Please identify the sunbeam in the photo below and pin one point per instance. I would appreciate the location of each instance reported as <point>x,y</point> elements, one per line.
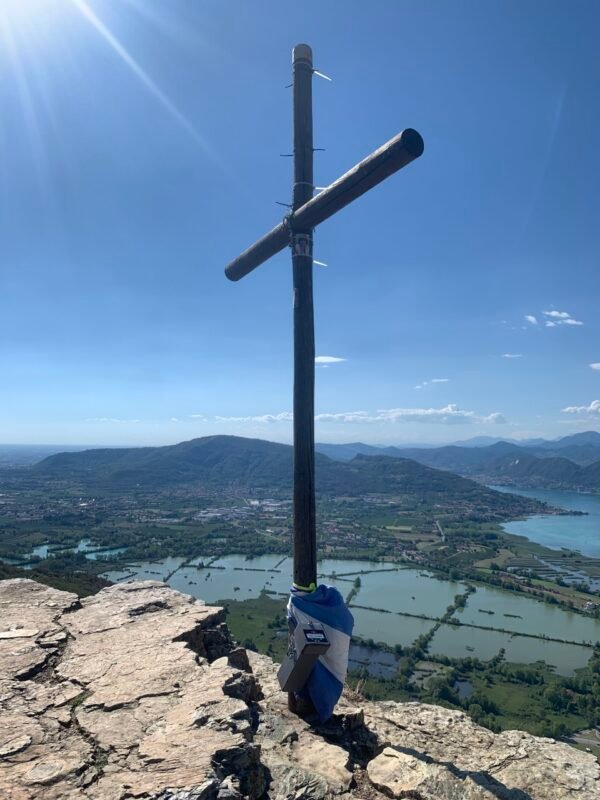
<point>10,18</point>
<point>145,79</point>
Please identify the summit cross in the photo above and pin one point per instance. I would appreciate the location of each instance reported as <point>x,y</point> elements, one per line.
<point>296,231</point>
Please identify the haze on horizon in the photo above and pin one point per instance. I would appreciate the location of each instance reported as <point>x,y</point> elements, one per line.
<point>140,153</point>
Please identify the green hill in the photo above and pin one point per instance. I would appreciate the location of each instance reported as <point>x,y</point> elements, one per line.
<point>572,463</point>
<point>213,460</point>
<point>231,461</point>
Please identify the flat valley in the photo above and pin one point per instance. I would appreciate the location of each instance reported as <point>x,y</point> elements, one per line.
<point>461,594</point>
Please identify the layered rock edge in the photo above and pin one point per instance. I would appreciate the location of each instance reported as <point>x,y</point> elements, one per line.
<point>140,692</point>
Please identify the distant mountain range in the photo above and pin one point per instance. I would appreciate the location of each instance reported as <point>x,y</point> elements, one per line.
<point>572,462</point>
<point>19,455</point>
<point>231,461</point>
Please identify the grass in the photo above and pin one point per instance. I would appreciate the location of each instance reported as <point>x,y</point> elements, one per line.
<point>550,589</point>
<point>501,558</point>
<point>586,748</point>
<point>523,707</point>
<point>380,688</point>
<point>78,700</point>
<point>81,583</point>
<point>261,622</point>
<point>565,591</point>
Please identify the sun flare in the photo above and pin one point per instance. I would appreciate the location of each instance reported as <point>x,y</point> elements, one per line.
<point>27,27</point>
<point>28,11</point>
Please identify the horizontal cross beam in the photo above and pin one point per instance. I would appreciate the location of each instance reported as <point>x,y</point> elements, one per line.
<point>389,158</point>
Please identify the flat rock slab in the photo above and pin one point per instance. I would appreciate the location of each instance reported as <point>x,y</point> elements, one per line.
<point>30,622</point>
<point>429,746</point>
<point>139,692</point>
<point>130,708</point>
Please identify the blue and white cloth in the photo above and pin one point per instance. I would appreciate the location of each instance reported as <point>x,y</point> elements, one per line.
<point>324,606</point>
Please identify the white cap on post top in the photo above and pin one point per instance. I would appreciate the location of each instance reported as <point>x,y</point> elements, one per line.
<point>302,52</point>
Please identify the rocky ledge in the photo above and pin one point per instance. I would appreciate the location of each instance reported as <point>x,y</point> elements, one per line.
<point>139,692</point>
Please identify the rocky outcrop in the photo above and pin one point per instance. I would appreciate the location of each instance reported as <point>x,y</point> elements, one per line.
<point>139,692</point>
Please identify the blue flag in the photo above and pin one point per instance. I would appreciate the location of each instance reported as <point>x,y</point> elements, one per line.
<point>326,607</point>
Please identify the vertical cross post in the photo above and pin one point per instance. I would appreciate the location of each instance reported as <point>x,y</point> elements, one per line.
<point>305,537</point>
<point>297,231</point>
<point>305,533</point>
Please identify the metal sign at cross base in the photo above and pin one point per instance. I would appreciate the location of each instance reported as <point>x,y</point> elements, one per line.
<point>296,231</point>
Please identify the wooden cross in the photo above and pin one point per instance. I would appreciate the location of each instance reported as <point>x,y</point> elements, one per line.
<point>296,231</point>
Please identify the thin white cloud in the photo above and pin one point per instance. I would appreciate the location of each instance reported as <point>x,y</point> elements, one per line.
<point>512,355</point>
<point>592,409</point>
<point>113,420</point>
<point>556,318</point>
<point>175,419</point>
<point>596,365</point>
<point>553,319</point>
<point>346,416</point>
<point>328,360</point>
<point>283,416</point>
<point>433,380</point>
<point>447,415</point>
<point>571,322</point>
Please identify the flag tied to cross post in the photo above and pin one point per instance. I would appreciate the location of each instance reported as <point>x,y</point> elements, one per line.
<point>324,606</point>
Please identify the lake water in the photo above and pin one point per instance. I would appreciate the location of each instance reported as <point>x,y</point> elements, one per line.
<point>463,689</point>
<point>389,628</point>
<point>409,590</point>
<point>489,608</point>
<point>398,591</point>
<point>460,642</point>
<point>41,551</point>
<point>379,663</point>
<point>573,533</point>
<point>91,551</point>
<point>236,577</point>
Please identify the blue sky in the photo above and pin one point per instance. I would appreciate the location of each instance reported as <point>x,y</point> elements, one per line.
<point>139,153</point>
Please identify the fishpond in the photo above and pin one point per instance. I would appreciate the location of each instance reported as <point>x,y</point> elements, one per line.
<point>396,605</point>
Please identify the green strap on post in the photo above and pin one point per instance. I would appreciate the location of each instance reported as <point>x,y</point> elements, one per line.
<point>310,588</point>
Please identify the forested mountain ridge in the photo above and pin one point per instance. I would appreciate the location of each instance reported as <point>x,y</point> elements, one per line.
<point>226,461</point>
<point>572,463</point>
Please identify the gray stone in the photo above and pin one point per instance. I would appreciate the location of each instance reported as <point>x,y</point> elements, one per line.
<point>29,614</point>
<point>140,692</point>
<point>120,712</point>
<point>448,746</point>
<point>15,745</point>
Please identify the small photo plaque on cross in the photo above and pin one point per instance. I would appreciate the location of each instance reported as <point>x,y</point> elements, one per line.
<point>301,244</point>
